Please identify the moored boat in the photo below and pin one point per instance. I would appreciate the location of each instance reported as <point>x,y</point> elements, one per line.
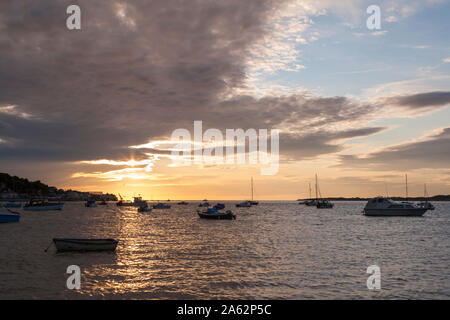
<point>90,204</point>
<point>102,203</point>
<point>204,204</point>
<point>7,215</point>
<point>11,205</point>
<point>39,205</point>
<point>219,206</point>
<point>425,204</point>
<point>144,208</point>
<point>311,203</point>
<point>324,204</point>
<point>182,203</point>
<point>212,213</point>
<point>385,207</point>
<point>161,205</point>
<point>245,204</point>
<point>67,244</point>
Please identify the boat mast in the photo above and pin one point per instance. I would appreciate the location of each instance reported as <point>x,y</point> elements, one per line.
<point>406,181</point>
<point>309,190</point>
<point>252,188</point>
<point>317,198</point>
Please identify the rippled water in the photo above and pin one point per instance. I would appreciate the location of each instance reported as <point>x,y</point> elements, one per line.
<point>275,250</point>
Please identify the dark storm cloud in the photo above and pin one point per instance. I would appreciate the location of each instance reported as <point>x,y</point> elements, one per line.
<point>433,152</point>
<point>140,69</point>
<point>423,100</point>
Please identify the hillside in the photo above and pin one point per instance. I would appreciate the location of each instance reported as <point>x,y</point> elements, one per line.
<point>13,187</point>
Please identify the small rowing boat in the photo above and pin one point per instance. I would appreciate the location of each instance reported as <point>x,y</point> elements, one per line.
<point>66,244</point>
<point>7,215</point>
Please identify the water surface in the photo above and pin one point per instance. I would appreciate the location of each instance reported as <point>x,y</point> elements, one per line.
<point>277,250</point>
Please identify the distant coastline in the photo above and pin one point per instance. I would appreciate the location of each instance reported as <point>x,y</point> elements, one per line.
<point>15,188</point>
<point>433,198</point>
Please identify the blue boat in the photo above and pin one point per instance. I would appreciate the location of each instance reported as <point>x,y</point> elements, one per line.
<point>12,205</point>
<point>7,215</point>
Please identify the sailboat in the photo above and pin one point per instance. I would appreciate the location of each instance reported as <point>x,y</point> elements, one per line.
<point>322,203</point>
<point>425,204</point>
<point>311,202</point>
<point>252,202</point>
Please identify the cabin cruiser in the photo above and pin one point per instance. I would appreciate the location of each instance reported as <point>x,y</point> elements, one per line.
<point>245,204</point>
<point>212,213</point>
<point>90,204</point>
<point>7,215</point>
<point>386,207</point>
<point>161,205</point>
<point>41,205</point>
<point>183,203</point>
<point>138,202</point>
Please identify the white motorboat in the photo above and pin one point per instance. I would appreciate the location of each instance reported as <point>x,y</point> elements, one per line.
<point>385,207</point>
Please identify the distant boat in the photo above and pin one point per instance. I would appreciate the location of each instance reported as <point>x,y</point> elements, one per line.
<point>310,202</point>
<point>204,204</point>
<point>182,203</point>
<point>90,204</point>
<point>66,244</point>
<point>322,203</point>
<point>137,201</point>
<point>212,213</point>
<point>245,204</point>
<point>425,204</point>
<point>161,206</point>
<point>39,205</point>
<point>7,215</point>
<point>385,207</point>
<point>144,208</point>
<point>124,203</point>
<point>219,206</point>
<point>12,205</point>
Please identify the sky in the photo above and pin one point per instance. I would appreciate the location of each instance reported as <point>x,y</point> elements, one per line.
<point>94,109</point>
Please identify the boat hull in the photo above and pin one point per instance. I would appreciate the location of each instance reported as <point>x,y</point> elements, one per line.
<point>217,216</point>
<point>415,212</point>
<point>7,218</point>
<point>66,245</point>
<point>44,208</point>
<point>11,205</point>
